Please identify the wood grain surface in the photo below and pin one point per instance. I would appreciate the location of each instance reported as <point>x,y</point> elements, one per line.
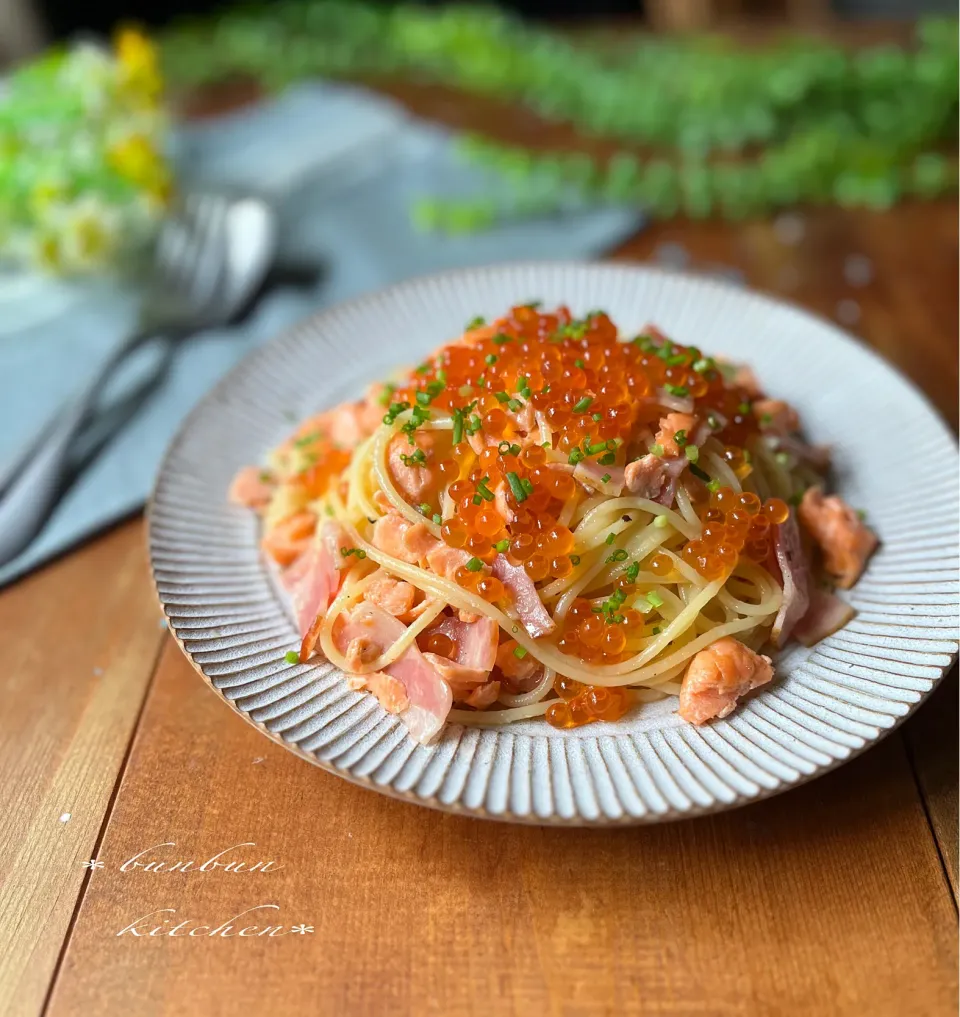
<point>803,904</point>
<point>80,642</point>
<point>833,899</point>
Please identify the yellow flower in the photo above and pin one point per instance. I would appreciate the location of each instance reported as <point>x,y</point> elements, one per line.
<point>139,69</point>
<point>136,160</point>
<point>46,252</point>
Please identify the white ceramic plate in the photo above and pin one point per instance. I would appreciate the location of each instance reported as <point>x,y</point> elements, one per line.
<point>893,454</point>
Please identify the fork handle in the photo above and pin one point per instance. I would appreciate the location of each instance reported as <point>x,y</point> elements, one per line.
<point>35,477</point>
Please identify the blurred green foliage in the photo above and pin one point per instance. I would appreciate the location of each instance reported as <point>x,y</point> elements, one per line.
<point>707,126</point>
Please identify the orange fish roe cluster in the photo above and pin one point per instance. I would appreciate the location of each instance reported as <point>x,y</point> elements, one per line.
<point>324,462</point>
<point>581,704</point>
<point>596,393</point>
<point>734,524</point>
<point>604,633</point>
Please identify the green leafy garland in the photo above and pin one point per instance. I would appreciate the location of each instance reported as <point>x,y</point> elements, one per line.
<point>712,127</point>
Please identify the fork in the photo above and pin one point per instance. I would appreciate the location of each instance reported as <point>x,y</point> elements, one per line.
<point>209,257</point>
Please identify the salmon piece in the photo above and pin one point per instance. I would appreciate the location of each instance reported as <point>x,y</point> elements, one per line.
<point>840,533</point>
<point>290,538</point>
<point>446,560</point>
<point>252,487</point>
<point>669,425</point>
<point>388,534</point>
<point>390,692</point>
<point>718,676</point>
<point>517,669</point>
<point>655,477</point>
<point>484,696</point>
<point>418,540</point>
<point>393,595</point>
<point>413,481</point>
<point>777,416</point>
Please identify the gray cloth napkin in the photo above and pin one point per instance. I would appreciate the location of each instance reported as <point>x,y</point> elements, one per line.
<point>343,166</point>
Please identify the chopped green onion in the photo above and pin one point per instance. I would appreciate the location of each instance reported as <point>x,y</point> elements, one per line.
<point>422,369</point>
<point>655,630</point>
<point>697,472</point>
<point>475,323</point>
<point>692,453</point>
<point>766,418</point>
<point>485,491</point>
<point>514,404</point>
<point>384,398</point>
<point>713,485</point>
<point>437,518</point>
<point>598,446</point>
<point>605,479</point>
<point>632,571</point>
<point>596,416</point>
<point>680,437</point>
<point>703,364</point>
<point>424,508</point>
<point>576,456</point>
<point>743,408</point>
<point>292,657</point>
<point>490,359</point>
<point>516,487</point>
<point>654,599</point>
<point>656,450</point>
<point>474,565</point>
<point>574,559</point>
<point>610,538</point>
<point>712,422</point>
<point>607,460</point>
<point>618,555</point>
<point>307,439</point>
<point>527,485</point>
<point>358,551</point>
<point>418,458</point>
<point>499,339</point>
<point>477,500</point>
<point>473,424</point>
<point>582,405</point>
<point>677,390</point>
<point>579,363</point>
<point>501,545</point>
<point>520,652</point>
<point>457,426</point>
<point>661,522</point>
<point>501,397</point>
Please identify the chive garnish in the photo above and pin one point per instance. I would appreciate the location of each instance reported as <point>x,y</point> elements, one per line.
<point>516,487</point>
<point>474,565</point>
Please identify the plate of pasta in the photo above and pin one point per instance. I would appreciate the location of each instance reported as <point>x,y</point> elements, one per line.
<point>563,543</point>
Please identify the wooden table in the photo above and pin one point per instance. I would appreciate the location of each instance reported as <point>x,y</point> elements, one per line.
<point>837,898</point>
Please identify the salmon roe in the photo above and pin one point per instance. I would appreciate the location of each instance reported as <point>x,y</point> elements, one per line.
<point>581,704</point>
<point>578,376</point>
<point>734,525</point>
